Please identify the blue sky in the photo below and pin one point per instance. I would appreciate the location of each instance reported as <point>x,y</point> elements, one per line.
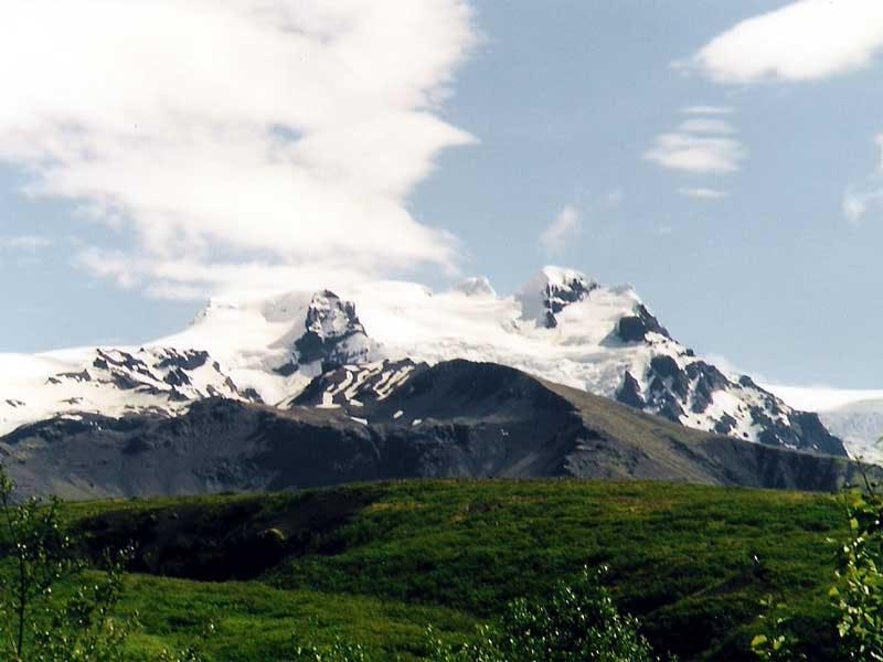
<point>728,170</point>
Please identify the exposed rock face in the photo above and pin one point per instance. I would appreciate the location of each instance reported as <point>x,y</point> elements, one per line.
<point>334,335</point>
<point>551,291</point>
<point>630,392</point>
<point>562,327</point>
<point>681,388</point>
<point>455,419</point>
<point>557,297</point>
<point>354,387</point>
<point>634,328</point>
<point>164,373</point>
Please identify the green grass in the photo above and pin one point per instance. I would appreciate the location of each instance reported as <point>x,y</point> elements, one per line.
<point>251,621</point>
<point>377,563</point>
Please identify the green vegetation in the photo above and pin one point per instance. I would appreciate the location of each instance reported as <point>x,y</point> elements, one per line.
<point>856,594</point>
<point>53,608</point>
<point>579,622</point>
<point>260,576</point>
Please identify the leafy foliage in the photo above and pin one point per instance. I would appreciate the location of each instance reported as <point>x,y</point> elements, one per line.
<point>338,650</point>
<point>579,623</point>
<point>778,643</point>
<point>859,595</point>
<point>856,594</point>
<point>53,610</point>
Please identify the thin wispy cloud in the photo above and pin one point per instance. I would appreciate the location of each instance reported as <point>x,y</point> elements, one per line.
<point>703,193</point>
<point>707,110</point>
<point>614,199</point>
<point>865,197</point>
<point>696,154</point>
<point>555,237</point>
<point>805,40</point>
<point>705,125</point>
<point>26,243</point>
<point>696,147</point>
<point>285,136</point>
<point>702,145</point>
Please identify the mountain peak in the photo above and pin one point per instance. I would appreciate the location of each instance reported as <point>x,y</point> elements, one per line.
<point>328,316</point>
<point>334,335</point>
<point>562,276</point>
<point>475,286</point>
<point>562,326</point>
<point>552,290</point>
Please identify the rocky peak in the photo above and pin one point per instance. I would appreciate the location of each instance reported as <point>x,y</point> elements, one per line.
<point>334,335</point>
<point>329,317</point>
<point>635,327</point>
<point>551,291</point>
<point>689,391</point>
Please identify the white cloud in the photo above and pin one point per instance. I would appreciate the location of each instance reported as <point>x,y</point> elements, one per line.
<point>805,40</point>
<point>707,110</point>
<point>614,199</point>
<point>703,193</point>
<point>565,226</point>
<point>704,144</point>
<point>28,243</point>
<point>861,198</point>
<point>696,153</point>
<point>190,279</point>
<point>706,125</point>
<point>284,134</point>
<point>855,204</point>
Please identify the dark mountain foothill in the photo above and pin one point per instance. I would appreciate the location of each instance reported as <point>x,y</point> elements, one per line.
<point>454,419</point>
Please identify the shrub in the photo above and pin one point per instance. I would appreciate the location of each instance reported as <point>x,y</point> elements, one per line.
<point>578,623</point>
<point>52,609</point>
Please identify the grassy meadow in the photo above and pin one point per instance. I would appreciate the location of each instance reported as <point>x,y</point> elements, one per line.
<point>251,577</point>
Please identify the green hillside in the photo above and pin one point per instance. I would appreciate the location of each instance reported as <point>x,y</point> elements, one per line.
<point>377,563</point>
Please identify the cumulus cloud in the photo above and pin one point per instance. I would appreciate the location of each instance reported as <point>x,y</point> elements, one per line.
<point>235,138</point>
<point>861,198</point>
<point>703,193</point>
<point>565,226</point>
<point>805,40</point>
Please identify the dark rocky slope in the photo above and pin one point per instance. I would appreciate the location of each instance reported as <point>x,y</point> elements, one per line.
<point>463,419</point>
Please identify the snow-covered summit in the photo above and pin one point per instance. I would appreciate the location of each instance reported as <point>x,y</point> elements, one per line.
<point>475,286</point>
<point>551,291</point>
<point>854,415</point>
<point>562,326</point>
<point>334,335</point>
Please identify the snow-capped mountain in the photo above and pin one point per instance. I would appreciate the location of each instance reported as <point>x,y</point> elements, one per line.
<point>854,415</point>
<point>562,326</point>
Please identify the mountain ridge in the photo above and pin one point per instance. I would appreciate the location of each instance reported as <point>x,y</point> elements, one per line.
<point>464,420</point>
<point>563,327</point>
